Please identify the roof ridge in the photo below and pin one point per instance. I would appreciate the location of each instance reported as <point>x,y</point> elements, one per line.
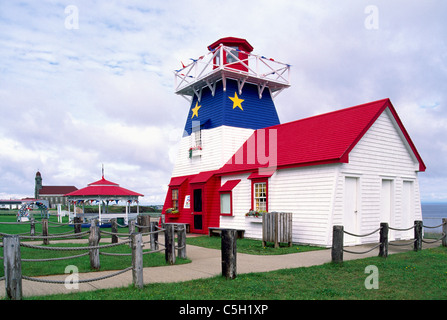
<point>385,100</point>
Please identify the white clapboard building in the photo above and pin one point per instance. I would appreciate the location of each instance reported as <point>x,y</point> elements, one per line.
<point>355,167</point>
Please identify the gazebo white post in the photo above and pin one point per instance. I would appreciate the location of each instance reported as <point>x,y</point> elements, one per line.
<point>83,208</point>
<point>127,211</point>
<point>100,211</point>
<point>138,207</point>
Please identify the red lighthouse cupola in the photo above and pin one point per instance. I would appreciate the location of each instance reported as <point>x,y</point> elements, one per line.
<point>232,52</point>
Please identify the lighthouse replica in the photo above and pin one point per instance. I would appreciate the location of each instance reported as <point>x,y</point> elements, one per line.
<point>230,92</point>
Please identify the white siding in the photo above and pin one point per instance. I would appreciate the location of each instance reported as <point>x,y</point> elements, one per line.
<point>380,154</point>
<point>218,146</point>
<point>306,192</point>
<point>315,195</point>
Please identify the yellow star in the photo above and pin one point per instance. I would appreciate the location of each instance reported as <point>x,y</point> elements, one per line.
<point>195,110</point>
<point>236,101</point>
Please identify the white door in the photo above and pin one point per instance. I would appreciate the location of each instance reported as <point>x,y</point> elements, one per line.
<point>386,205</point>
<point>350,214</point>
<point>407,209</point>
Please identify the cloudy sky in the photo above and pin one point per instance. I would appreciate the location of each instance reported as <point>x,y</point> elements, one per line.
<point>86,83</point>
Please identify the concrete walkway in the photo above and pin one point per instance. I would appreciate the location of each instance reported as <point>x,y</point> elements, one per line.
<point>205,263</point>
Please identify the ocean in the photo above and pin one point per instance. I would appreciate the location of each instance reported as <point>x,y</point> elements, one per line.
<point>432,214</point>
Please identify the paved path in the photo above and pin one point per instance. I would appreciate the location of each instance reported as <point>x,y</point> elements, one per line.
<point>205,263</point>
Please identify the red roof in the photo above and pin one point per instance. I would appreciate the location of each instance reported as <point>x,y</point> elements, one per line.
<point>202,177</point>
<point>52,190</point>
<point>232,41</point>
<point>229,185</point>
<point>322,139</point>
<point>103,187</point>
<point>177,181</point>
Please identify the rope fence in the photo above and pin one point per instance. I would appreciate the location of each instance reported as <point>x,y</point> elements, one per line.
<point>13,242</point>
<point>338,239</point>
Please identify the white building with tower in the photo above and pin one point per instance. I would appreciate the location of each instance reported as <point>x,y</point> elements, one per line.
<point>355,167</point>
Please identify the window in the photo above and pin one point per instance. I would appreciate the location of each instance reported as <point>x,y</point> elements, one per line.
<point>217,59</point>
<point>226,197</point>
<point>175,199</point>
<point>260,196</point>
<point>225,203</point>
<point>230,58</point>
<point>198,138</point>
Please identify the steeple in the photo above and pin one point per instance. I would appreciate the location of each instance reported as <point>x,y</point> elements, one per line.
<point>37,185</point>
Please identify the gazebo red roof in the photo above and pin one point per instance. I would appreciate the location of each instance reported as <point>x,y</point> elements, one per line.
<point>103,187</point>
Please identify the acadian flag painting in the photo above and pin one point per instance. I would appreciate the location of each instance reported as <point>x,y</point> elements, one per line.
<point>231,108</point>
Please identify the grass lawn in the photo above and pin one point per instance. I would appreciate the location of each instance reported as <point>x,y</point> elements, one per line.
<point>53,227</point>
<point>405,276</point>
<point>250,246</point>
<point>83,263</point>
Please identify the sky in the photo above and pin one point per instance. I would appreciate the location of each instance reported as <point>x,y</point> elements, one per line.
<point>86,84</point>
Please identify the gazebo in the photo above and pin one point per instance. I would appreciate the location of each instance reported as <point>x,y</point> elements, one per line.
<point>103,192</point>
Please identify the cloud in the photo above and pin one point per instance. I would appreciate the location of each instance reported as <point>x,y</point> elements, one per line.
<point>72,99</point>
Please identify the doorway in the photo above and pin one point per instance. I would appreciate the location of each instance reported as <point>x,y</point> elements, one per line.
<point>197,206</point>
<point>387,205</point>
<point>350,213</point>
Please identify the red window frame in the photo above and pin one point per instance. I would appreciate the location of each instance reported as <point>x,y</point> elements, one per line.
<point>260,180</point>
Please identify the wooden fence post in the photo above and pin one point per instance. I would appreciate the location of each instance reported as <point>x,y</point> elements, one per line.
<point>77,225</point>
<point>383,249</point>
<point>181,240</point>
<point>417,235</point>
<point>137,260</point>
<point>143,222</point>
<point>131,225</point>
<point>12,267</point>
<point>114,229</point>
<point>337,244</point>
<point>93,241</point>
<point>169,243</point>
<point>444,231</point>
<point>229,253</point>
<point>154,236</point>
<point>45,231</point>
<point>32,231</point>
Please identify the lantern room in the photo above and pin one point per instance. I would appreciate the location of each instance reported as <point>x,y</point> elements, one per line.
<point>230,58</point>
<point>237,55</point>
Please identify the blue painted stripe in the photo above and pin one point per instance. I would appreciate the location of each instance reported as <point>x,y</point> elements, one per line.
<point>218,110</point>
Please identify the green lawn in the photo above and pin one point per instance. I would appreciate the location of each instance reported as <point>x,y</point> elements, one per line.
<point>410,275</point>
<point>83,263</point>
<point>250,246</point>
<point>30,268</point>
<point>406,276</point>
<point>53,226</point>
